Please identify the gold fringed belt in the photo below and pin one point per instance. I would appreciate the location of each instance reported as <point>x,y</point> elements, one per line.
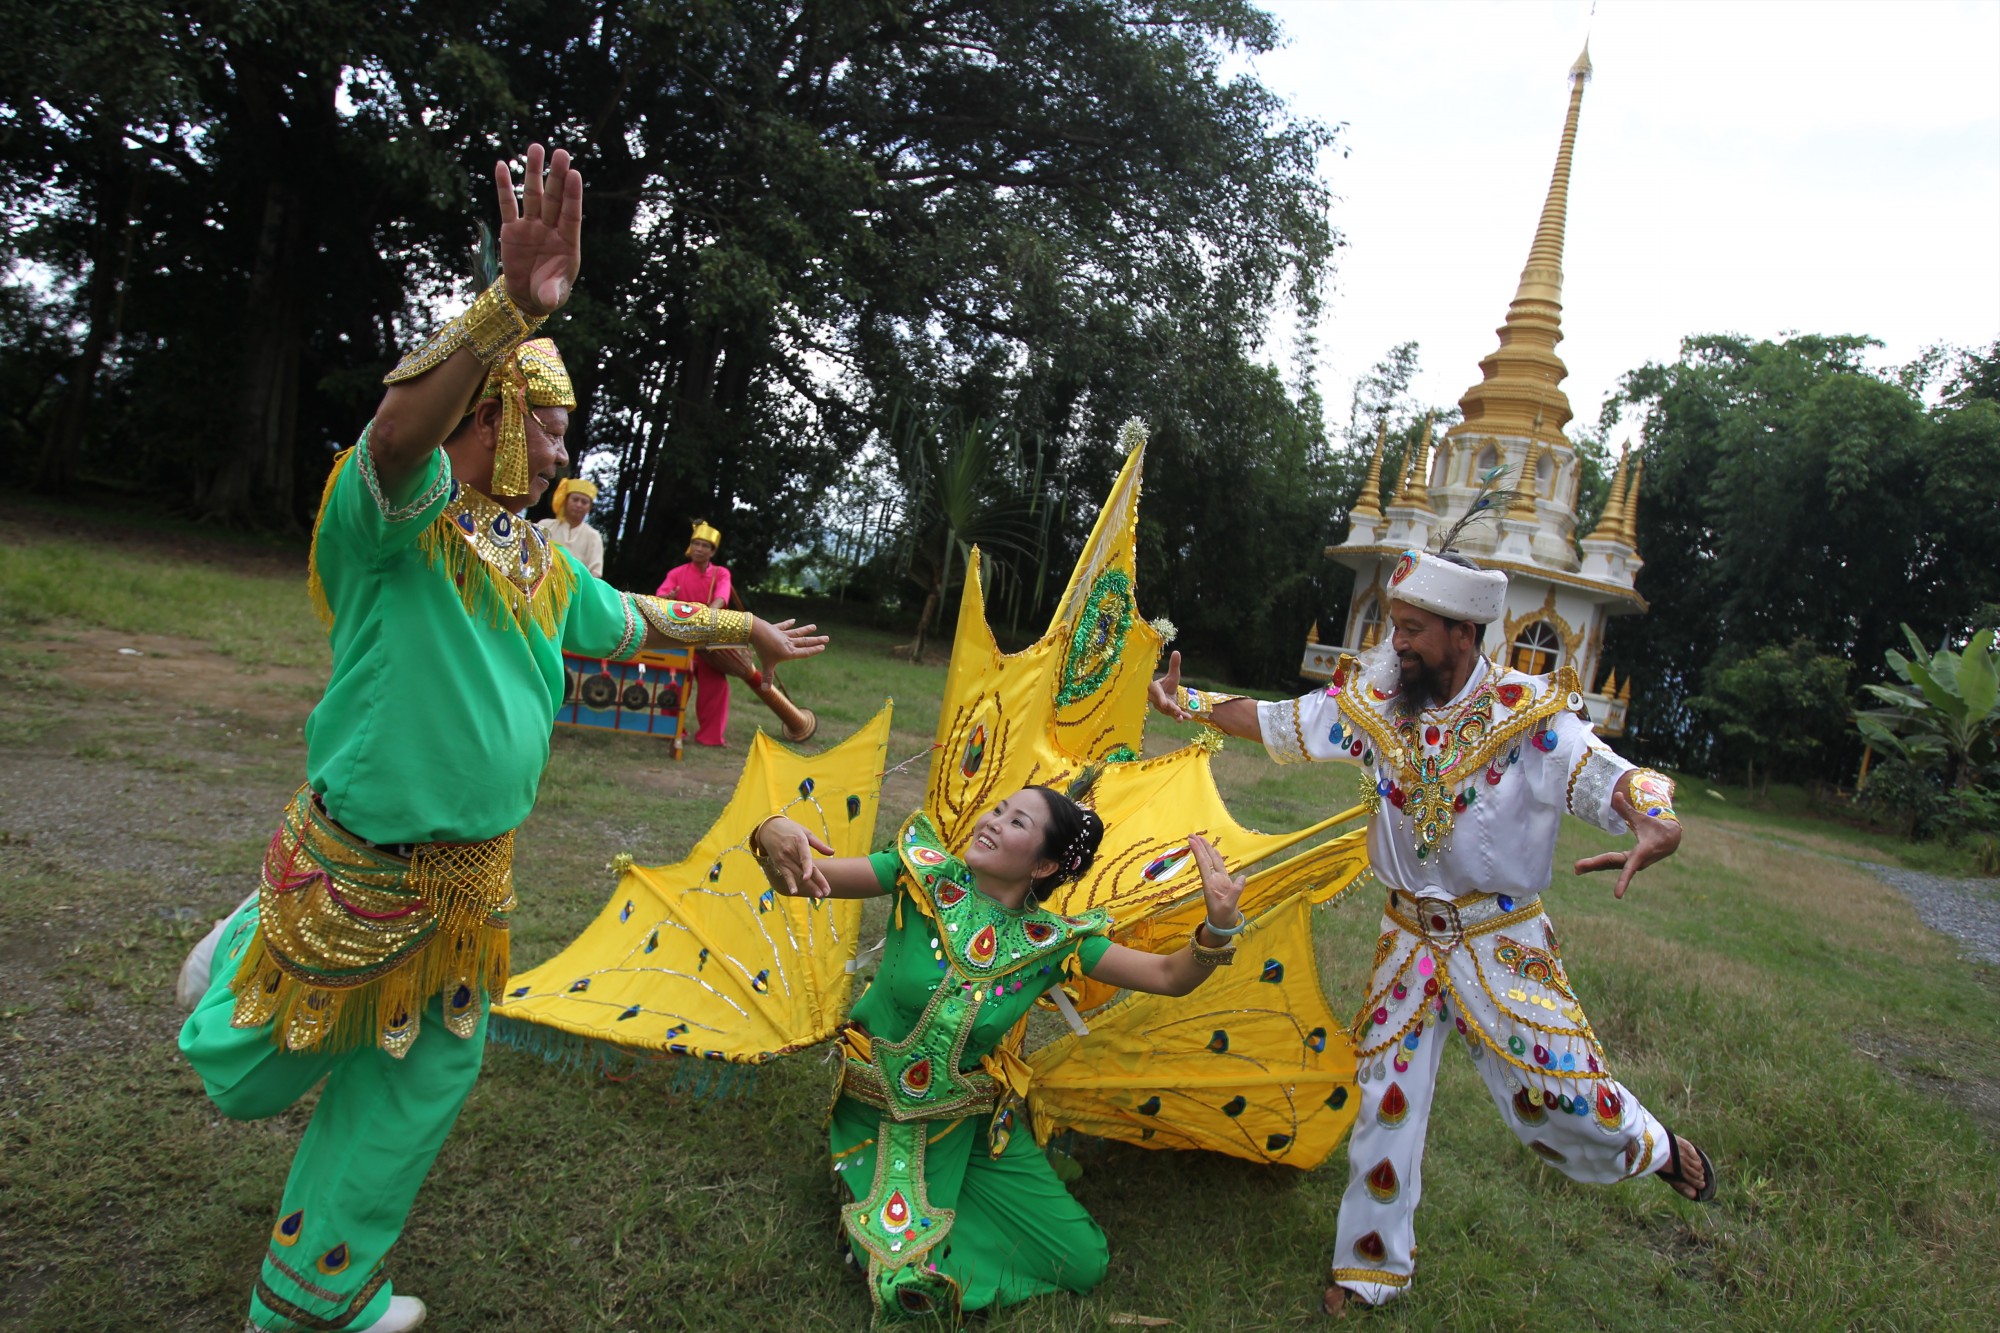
<point>352,939</point>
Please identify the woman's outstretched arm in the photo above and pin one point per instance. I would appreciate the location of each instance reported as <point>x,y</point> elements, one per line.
<point>1180,972</point>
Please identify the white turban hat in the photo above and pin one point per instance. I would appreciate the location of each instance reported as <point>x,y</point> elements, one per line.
<point>1423,578</point>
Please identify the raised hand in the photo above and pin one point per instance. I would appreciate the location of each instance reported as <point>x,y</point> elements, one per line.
<point>1165,691</point>
<point>1219,889</point>
<point>1654,840</point>
<point>787,859</point>
<point>541,236</point>
<point>785,641</point>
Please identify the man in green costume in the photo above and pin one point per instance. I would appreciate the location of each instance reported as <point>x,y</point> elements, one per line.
<point>380,923</point>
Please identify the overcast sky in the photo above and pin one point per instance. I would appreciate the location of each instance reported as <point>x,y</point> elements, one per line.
<point>1740,167</point>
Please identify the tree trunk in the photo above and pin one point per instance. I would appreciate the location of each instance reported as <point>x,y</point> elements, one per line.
<point>255,482</point>
<point>110,266</point>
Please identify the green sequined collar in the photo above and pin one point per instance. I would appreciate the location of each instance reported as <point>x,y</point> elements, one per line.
<point>981,937</point>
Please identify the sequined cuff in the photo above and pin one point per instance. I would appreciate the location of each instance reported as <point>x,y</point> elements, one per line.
<point>493,327</point>
<point>364,458</point>
<point>634,628</point>
<point>1203,703</point>
<point>1652,794</point>
<point>691,622</point>
<point>1591,783</point>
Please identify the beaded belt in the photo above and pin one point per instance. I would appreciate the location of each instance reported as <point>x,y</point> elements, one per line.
<point>1442,923</point>
<point>862,1081</point>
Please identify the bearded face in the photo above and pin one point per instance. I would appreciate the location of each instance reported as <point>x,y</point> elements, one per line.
<point>1433,657</point>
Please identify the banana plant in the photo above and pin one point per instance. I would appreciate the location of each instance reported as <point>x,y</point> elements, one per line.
<point>1946,712</point>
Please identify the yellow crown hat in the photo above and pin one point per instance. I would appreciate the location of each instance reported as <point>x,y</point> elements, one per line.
<point>703,533</point>
<point>532,375</point>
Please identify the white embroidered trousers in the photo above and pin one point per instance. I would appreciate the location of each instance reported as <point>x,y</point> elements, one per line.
<point>1488,970</point>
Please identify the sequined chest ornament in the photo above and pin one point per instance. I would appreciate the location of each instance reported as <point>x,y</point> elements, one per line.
<point>1433,769</point>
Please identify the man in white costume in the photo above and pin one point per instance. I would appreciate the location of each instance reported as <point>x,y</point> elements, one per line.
<point>1474,767</point>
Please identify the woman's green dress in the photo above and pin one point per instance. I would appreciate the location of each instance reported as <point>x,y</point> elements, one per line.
<point>952,1210</point>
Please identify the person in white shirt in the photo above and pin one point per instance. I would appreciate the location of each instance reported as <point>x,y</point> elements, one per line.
<point>570,527</point>
<point>1474,766</point>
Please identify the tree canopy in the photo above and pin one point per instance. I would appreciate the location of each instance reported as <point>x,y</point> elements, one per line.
<point>1792,495</point>
<point>802,217</point>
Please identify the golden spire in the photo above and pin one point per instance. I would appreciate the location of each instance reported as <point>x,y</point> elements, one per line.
<point>1523,505</point>
<point>1416,490</point>
<point>1610,687</point>
<point>1632,503</point>
<point>1368,504</point>
<point>1611,523</point>
<point>1524,372</point>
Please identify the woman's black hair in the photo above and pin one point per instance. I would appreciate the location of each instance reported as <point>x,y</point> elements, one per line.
<point>1071,836</point>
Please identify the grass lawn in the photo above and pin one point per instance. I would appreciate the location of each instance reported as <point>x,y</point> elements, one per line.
<point>1762,993</point>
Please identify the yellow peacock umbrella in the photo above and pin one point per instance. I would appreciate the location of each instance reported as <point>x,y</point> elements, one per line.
<point>700,957</point>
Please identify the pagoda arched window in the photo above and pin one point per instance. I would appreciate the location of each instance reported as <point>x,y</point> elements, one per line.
<point>1370,625</point>
<point>1536,649</point>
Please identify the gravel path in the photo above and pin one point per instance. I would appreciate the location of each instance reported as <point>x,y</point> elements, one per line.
<point>1966,909</point>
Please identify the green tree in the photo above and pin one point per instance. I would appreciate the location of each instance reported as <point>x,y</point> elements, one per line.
<point>1778,708</point>
<point>1790,492</point>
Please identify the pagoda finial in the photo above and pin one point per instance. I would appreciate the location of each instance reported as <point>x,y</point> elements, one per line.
<point>1523,505</point>
<point>1416,491</point>
<point>1524,373</point>
<point>1632,503</point>
<point>1368,504</point>
<point>1542,278</point>
<point>1611,524</point>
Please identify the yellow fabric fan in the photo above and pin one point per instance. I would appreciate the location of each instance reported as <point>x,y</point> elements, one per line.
<point>700,957</point>
<point>1254,1064</point>
<point>1075,694</point>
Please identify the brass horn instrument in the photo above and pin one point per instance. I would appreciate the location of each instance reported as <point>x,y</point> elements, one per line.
<point>800,723</point>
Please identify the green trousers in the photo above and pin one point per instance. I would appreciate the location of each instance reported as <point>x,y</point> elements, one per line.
<point>1018,1232</point>
<point>377,1128</point>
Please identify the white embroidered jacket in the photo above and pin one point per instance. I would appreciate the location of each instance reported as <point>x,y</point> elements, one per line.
<point>1469,798</point>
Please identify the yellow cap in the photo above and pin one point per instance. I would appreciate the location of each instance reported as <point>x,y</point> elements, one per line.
<point>703,533</point>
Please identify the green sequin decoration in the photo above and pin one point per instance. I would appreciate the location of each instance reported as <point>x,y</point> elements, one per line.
<point>1120,754</point>
<point>1099,638</point>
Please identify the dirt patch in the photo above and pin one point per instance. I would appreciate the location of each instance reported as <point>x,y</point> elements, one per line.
<point>181,672</point>
<point>1961,1074</point>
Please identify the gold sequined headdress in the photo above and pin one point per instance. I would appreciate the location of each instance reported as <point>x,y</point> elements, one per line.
<point>532,375</point>
<point>704,533</point>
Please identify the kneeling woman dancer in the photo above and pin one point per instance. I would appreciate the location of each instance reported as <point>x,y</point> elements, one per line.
<point>951,1211</point>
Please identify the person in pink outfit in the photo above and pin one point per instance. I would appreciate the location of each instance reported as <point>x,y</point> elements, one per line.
<point>705,583</point>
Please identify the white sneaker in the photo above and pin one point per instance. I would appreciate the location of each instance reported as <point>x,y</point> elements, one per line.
<point>200,963</point>
<point>404,1312</point>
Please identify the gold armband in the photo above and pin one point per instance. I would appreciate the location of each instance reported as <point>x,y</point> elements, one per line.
<point>491,328</point>
<point>1203,703</point>
<point>1207,957</point>
<point>1652,794</point>
<point>691,622</point>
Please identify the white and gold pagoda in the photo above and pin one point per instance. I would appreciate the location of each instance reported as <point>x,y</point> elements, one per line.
<point>1557,601</point>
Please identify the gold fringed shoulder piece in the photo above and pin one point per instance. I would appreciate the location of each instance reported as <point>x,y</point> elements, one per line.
<point>460,543</point>
<point>315,589</point>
